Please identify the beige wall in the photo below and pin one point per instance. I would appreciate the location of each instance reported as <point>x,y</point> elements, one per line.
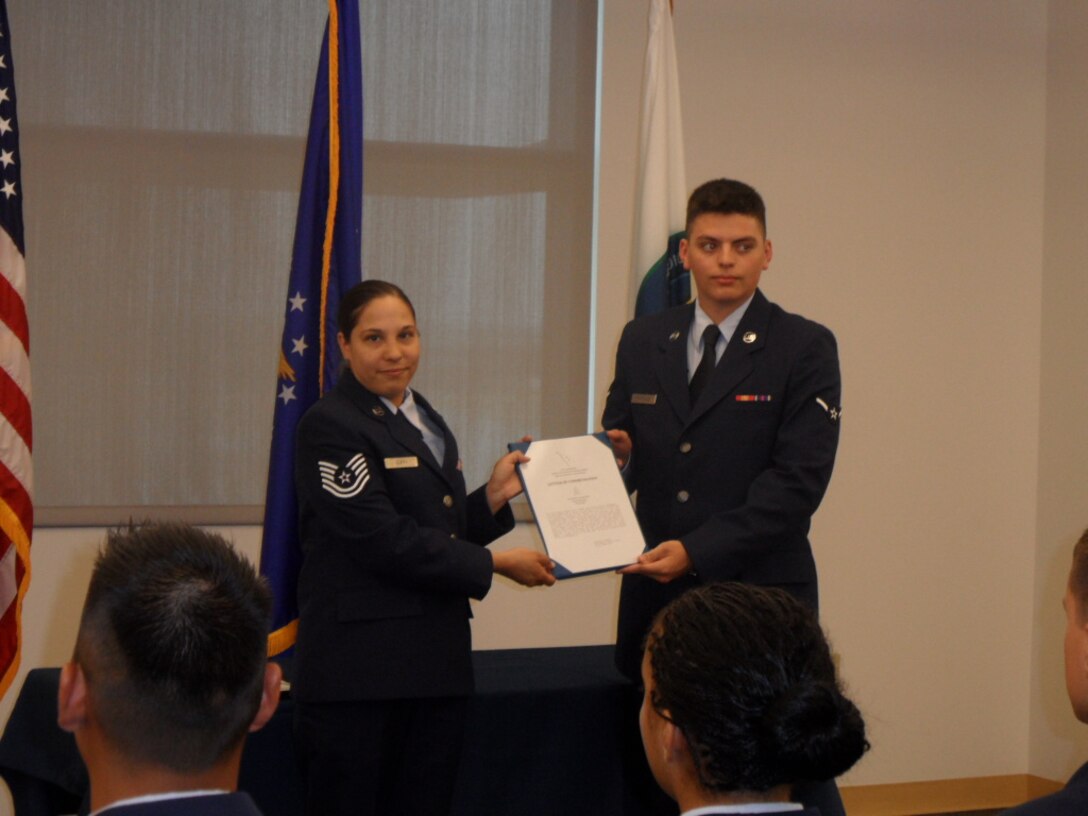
<point>1057,740</point>
<point>924,168</point>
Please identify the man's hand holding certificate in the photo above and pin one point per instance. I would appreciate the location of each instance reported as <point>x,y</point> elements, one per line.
<point>580,504</point>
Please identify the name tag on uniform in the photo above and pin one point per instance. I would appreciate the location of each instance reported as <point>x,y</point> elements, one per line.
<point>644,399</point>
<point>397,462</point>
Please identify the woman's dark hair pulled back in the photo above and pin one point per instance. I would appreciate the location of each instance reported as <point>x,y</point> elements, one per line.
<point>746,674</point>
<point>358,297</point>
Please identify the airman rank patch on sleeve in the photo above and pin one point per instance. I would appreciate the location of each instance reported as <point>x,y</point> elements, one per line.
<point>345,481</point>
<point>834,412</point>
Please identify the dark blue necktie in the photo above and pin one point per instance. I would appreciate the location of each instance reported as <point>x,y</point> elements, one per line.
<point>706,365</point>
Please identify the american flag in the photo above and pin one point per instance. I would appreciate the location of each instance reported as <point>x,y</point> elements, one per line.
<point>16,473</point>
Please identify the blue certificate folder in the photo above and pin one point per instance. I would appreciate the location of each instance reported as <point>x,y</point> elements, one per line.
<point>623,550</point>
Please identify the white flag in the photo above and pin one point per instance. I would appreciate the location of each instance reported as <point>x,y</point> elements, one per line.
<point>661,189</point>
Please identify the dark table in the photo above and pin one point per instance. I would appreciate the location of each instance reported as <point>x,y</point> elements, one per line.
<point>546,736</point>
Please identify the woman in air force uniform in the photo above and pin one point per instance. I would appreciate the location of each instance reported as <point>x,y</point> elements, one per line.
<point>393,549</point>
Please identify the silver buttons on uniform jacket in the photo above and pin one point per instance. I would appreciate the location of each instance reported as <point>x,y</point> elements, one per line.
<point>683,495</point>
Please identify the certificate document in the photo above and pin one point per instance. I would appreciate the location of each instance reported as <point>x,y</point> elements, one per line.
<point>580,504</point>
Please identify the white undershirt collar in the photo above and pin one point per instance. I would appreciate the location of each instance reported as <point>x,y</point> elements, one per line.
<point>157,797</point>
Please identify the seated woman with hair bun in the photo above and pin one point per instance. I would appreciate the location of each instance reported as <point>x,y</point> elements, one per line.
<point>741,701</point>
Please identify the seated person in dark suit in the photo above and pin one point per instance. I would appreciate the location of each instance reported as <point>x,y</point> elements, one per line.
<point>741,701</point>
<point>170,672</point>
<point>1073,798</point>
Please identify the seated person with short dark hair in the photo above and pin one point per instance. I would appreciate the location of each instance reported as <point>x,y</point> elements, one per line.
<point>1073,798</point>
<point>741,701</point>
<point>170,672</point>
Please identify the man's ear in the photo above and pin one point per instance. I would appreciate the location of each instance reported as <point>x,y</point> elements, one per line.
<point>270,696</point>
<point>676,744</point>
<point>72,698</point>
<point>1082,634</point>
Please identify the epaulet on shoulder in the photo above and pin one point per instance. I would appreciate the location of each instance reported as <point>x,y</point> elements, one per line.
<point>798,320</point>
<point>664,316</point>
